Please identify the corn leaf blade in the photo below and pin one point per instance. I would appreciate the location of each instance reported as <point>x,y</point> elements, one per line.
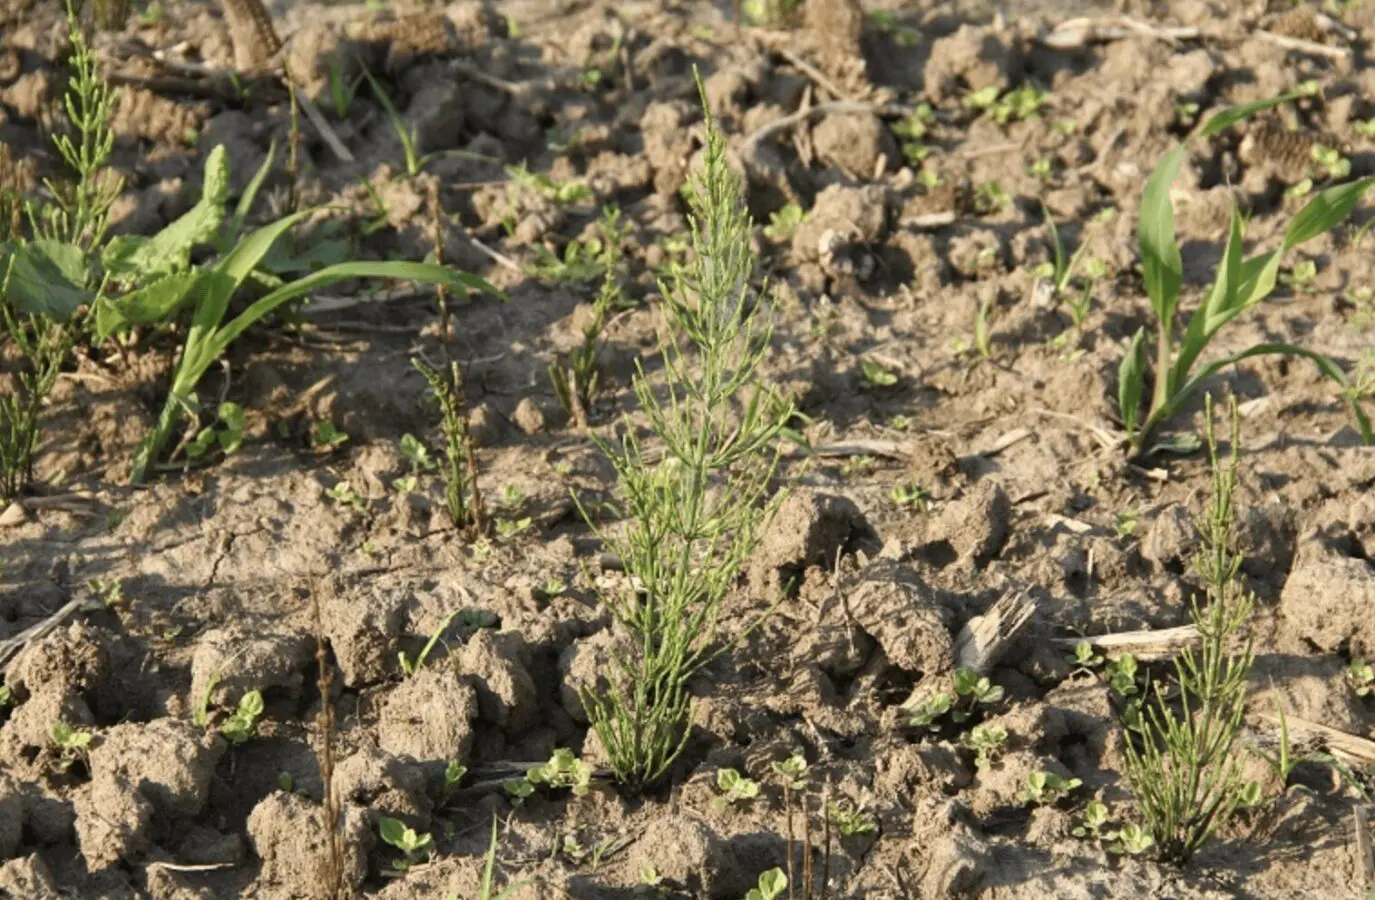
<point>1161,264</point>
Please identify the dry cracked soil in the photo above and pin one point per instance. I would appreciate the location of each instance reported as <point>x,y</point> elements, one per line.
<point>945,477</point>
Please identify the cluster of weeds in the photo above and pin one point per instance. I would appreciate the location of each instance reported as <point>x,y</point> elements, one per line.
<point>734,787</point>
<point>1016,105</point>
<point>1240,284</point>
<point>1046,788</point>
<point>971,693</point>
<point>72,744</point>
<point>1126,839</point>
<point>912,132</point>
<point>1184,772</point>
<point>563,771</point>
<point>696,504</point>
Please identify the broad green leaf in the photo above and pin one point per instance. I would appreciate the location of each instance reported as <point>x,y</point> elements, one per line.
<point>150,305</point>
<point>1222,305</point>
<point>1131,382</point>
<point>1234,114</point>
<point>1325,210</point>
<point>1160,260</point>
<point>392,831</point>
<point>1324,364</point>
<point>170,249</point>
<point>47,278</point>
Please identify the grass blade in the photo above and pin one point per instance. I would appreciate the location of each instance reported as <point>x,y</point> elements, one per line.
<point>1131,382</point>
<point>1234,114</point>
<point>1325,210</point>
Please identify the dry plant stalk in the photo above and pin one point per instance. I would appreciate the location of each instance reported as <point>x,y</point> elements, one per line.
<point>440,292</point>
<point>333,888</point>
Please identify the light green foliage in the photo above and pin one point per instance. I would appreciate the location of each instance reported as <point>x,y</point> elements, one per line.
<point>1016,105</point>
<point>325,435</point>
<point>1096,825</point>
<point>415,846</point>
<point>1045,788</point>
<point>1300,275</point>
<point>1041,169</point>
<point>239,727</point>
<point>6,695</point>
<point>986,741</point>
<point>768,12</point>
<point>1184,774</point>
<point>406,133</point>
<point>735,787</point>
<point>577,377</point>
<point>771,886</point>
<point>783,223</point>
<point>341,93</point>
<point>454,773</point>
<point>227,439</point>
<point>875,375</point>
<point>1239,285</point>
<point>518,789</point>
<point>344,494</point>
<point>72,743</point>
<point>1085,658</point>
<point>43,343</point>
<point>563,193</point>
<point>459,471</point>
<point>697,503</point>
<point>971,691</point>
<point>417,454</point>
<point>852,818</point>
<point>982,340</point>
<point>911,495</point>
<point>409,668</point>
<point>990,197</point>
<point>1125,522</point>
<point>912,132</point>
<point>792,772</point>
<point>563,770</point>
<point>1361,677</point>
<point>1121,674</point>
<point>1330,162</point>
<point>1060,269</point>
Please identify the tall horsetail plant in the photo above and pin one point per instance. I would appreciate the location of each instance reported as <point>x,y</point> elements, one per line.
<point>1239,285</point>
<point>1184,772</point>
<point>696,504</point>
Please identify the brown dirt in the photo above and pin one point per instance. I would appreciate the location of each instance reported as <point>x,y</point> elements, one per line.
<point>215,564</point>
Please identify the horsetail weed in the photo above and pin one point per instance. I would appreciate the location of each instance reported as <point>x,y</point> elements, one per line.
<point>697,504</point>
<point>1239,285</point>
<point>1184,773</point>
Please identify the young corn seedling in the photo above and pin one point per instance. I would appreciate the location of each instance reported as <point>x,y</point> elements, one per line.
<point>459,471</point>
<point>1239,285</point>
<point>1184,773</point>
<point>415,161</point>
<point>697,503</point>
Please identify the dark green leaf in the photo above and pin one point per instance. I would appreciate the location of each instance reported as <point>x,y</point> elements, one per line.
<point>47,278</point>
<point>1234,114</point>
<point>151,305</point>
<point>1325,210</point>
<point>1160,260</point>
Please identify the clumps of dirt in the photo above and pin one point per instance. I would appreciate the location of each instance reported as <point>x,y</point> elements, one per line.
<point>1326,602</point>
<point>429,717</point>
<point>975,525</point>
<point>506,694</point>
<point>689,856</point>
<point>385,785</point>
<point>365,637</point>
<point>229,662</point>
<point>904,615</point>
<point>28,877</point>
<point>146,779</point>
<point>975,57</point>
<point>290,836</point>
<point>810,529</point>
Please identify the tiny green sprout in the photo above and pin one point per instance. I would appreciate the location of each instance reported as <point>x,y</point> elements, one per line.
<point>454,772</point>
<point>343,492</point>
<point>1122,675</point>
<point>553,587</point>
<point>1095,818</point>
<point>982,340</point>
<point>1045,788</point>
<point>405,484</point>
<point>1301,188</point>
<point>1300,275</point>
<point>1251,795</point>
<point>1065,126</point>
<point>72,743</point>
<point>1361,677</point>
<point>1126,522</point>
<point>771,886</point>
<point>976,689</point>
<point>876,375</point>
<point>911,495</point>
<point>1041,169</point>
<point>1085,658</point>
<point>851,818</point>
<point>1364,127</point>
<point>888,24</point>
<point>1186,112</point>
<point>735,787</point>
<point>783,223</point>
<point>1132,840</point>
<point>6,696</point>
<point>792,771</point>
<point>409,668</point>
<point>509,528</point>
<point>989,197</point>
<point>416,847</point>
<point>563,770</point>
<point>1331,160</point>
<point>986,741</point>
<point>239,727</point>
<point>417,454</point>
<point>285,782</point>
<point>929,179</point>
<point>511,495</point>
<point>228,439</point>
<point>984,98</point>
<point>518,789</point>
<point>926,713</point>
<point>324,436</point>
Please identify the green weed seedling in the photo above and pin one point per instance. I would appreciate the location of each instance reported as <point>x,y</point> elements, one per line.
<point>415,847</point>
<point>971,691</point>
<point>417,454</point>
<point>518,790</point>
<point>783,223</point>
<point>911,496</point>
<point>577,378</point>
<point>1240,284</point>
<point>563,193</point>
<point>1047,788</point>
<point>888,24</point>
<point>1122,675</point>
<point>1085,658</point>
<point>563,771</point>
<point>792,772</point>
<point>461,494</point>
<point>875,375</point>
<point>6,695</point>
<point>717,423</point>
<point>406,133</point>
<point>768,12</point>
<point>72,744</point>
<point>1059,269</point>
<point>487,886</point>
<point>1180,761</point>
<point>771,886</point>
<point>227,438</point>
<point>409,668</point>
<point>240,726</point>
<point>344,494</point>
<point>454,773</point>
<point>1016,105</point>
<point>1361,676</point>
<point>852,818</point>
<point>1096,826</point>
<point>734,787</point>
<point>986,741</point>
<point>326,436</point>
